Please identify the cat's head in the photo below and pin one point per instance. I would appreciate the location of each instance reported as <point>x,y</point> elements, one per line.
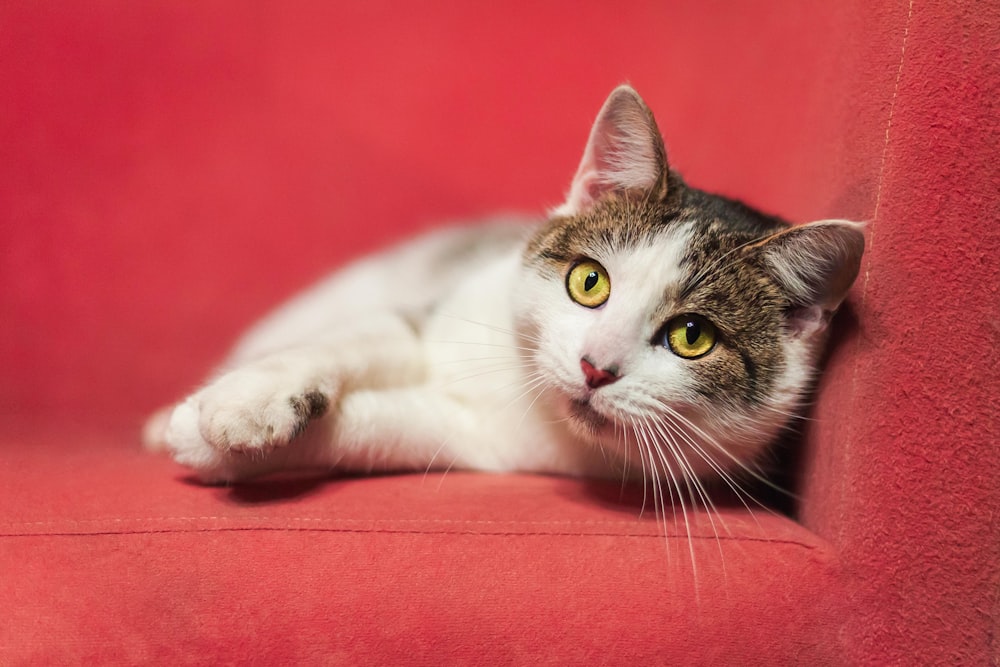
<point>668,320</point>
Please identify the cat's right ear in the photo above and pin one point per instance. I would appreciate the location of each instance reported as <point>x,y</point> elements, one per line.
<point>815,265</point>
<point>624,152</point>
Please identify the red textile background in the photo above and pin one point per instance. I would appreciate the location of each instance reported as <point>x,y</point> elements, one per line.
<point>169,171</point>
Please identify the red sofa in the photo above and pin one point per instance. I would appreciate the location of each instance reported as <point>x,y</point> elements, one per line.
<point>170,170</point>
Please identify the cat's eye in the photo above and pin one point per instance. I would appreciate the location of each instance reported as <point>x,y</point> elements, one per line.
<point>588,283</point>
<point>690,336</point>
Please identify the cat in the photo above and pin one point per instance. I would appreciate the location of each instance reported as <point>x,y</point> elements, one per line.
<point>645,330</point>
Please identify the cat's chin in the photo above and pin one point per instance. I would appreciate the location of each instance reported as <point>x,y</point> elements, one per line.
<point>586,420</point>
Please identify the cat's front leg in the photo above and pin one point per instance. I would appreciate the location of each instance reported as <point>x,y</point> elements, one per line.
<point>231,428</point>
<point>265,404</point>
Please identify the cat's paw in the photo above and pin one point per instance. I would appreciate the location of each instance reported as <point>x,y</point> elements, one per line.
<point>188,447</point>
<point>225,431</point>
<point>249,410</point>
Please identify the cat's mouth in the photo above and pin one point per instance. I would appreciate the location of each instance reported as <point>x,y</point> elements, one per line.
<point>582,411</point>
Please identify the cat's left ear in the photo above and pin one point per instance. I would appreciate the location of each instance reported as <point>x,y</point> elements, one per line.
<point>624,152</point>
<point>815,265</point>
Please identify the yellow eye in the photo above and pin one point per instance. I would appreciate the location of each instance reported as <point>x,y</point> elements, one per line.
<point>690,336</point>
<point>588,284</point>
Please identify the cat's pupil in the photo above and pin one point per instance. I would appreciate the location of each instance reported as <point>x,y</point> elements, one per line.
<point>693,332</point>
<point>591,281</point>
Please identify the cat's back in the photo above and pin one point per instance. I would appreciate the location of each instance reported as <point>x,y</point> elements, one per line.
<point>409,278</point>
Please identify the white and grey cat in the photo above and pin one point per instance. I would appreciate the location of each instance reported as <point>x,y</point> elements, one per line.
<point>646,329</point>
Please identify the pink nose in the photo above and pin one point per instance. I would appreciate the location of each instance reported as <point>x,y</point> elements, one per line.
<point>597,377</point>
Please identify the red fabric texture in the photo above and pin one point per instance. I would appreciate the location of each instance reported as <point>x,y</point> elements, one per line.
<point>465,568</point>
<point>170,171</point>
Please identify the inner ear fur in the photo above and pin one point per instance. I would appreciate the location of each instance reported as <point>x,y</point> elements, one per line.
<point>624,152</point>
<point>815,265</point>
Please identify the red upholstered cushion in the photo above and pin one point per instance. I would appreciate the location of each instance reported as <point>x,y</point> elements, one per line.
<point>111,558</point>
<point>170,170</point>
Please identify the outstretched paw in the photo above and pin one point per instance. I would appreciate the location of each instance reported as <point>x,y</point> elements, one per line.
<point>253,410</point>
<point>232,425</point>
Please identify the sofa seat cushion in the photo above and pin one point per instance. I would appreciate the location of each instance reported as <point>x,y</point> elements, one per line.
<point>111,555</point>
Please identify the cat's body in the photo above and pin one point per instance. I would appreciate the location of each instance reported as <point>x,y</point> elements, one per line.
<point>646,330</point>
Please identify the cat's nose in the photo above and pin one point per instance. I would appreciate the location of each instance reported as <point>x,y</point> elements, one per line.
<point>597,377</point>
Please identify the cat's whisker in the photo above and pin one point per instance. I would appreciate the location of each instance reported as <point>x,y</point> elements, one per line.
<point>448,469</point>
<point>622,446</point>
<point>660,490</point>
<point>504,346</point>
<point>561,420</point>
<point>653,447</point>
<point>677,426</point>
<point>740,418</point>
<point>727,479</point>
<point>693,480</point>
<point>723,450</point>
<point>531,379</point>
<point>653,444</point>
<point>437,452</point>
<point>492,327</point>
<point>740,493</point>
<point>489,370</point>
<point>642,468</point>
<point>790,416</point>
<point>475,362</point>
<point>688,471</point>
<point>642,458</point>
<point>538,383</point>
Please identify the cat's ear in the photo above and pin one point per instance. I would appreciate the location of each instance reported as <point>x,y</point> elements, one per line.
<point>624,152</point>
<point>815,264</point>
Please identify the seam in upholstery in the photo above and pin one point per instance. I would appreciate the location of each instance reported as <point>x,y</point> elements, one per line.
<point>874,220</point>
<point>888,123</point>
<point>404,531</point>
<point>566,522</point>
